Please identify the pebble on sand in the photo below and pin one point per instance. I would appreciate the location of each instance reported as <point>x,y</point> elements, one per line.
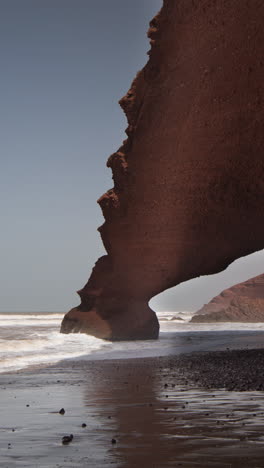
<point>67,439</point>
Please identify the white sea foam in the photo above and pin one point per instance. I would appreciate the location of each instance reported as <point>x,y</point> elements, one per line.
<point>40,348</point>
<point>39,316</point>
<point>34,339</point>
<point>25,320</point>
<point>175,316</point>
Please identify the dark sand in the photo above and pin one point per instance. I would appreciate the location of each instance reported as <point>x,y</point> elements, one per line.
<point>162,412</point>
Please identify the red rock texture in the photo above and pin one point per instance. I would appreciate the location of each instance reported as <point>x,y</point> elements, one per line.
<point>241,303</point>
<point>189,180</point>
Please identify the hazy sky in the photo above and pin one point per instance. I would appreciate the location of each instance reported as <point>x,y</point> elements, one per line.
<point>64,66</point>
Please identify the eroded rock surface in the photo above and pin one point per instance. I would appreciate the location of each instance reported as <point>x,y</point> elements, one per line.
<point>189,180</point>
<point>243,302</point>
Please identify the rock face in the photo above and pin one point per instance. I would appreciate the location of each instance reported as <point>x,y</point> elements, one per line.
<point>241,303</point>
<point>189,180</point>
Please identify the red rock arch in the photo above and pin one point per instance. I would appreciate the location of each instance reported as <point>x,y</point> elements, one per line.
<point>189,180</point>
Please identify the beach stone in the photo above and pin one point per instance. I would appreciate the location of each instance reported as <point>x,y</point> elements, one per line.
<point>67,439</point>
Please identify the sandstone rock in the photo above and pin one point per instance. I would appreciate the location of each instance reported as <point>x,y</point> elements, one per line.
<point>241,303</point>
<point>189,180</point>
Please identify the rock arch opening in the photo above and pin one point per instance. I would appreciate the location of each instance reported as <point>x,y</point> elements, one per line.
<point>194,294</point>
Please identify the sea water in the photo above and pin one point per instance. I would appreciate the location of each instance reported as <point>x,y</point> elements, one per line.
<point>28,339</point>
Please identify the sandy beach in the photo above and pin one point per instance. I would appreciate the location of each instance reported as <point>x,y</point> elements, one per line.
<point>191,410</point>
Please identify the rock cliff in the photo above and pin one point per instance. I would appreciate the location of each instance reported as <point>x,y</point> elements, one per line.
<point>189,180</point>
<point>241,303</point>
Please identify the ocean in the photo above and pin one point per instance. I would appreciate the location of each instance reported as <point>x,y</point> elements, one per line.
<point>34,339</point>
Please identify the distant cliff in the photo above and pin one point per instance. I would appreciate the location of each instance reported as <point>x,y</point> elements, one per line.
<point>188,181</point>
<point>241,303</point>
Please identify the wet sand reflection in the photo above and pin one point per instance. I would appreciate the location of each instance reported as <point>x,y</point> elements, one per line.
<point>157,421</point>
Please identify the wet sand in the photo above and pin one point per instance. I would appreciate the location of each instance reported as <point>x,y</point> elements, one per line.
<point>161,412</point>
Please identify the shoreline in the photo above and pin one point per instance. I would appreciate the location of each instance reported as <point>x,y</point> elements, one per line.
<point>231,369</point>
<point>161,411</point>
